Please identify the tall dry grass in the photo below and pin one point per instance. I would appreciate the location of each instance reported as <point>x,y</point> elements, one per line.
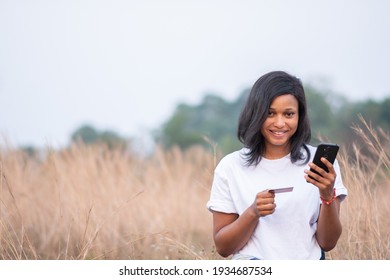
<point>94,203</point>
<point>366,211</point>
<point>89,202</point>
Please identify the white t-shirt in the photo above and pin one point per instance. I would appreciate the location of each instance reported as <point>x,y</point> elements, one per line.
<point>288,233</point>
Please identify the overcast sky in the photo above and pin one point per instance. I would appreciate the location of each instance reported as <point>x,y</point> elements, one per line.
<point>125,65</point>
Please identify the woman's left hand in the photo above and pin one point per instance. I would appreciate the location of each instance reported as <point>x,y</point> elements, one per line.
<point>325,181</point>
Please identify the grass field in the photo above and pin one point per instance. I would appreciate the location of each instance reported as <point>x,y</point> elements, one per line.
<point>89,202</point>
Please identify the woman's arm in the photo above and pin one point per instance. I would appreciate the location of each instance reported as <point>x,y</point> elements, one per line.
<point>328,225</point>
<point>232,232</point>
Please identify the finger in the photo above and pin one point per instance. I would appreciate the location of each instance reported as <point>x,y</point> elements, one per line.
<point>328,164</point>
<point>265,201</point>
<point>329,177</point>
<point>312,176</point>
<point>265,213</point>
<point>312,180</point>
<point>320,182</point>
<point>271,194</point>
<point>266,194</point>
<point>266,209</point>
<point>268,206</point>
<point>315,167</point>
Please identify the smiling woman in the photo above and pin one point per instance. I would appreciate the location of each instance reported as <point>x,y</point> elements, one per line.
<point>275,98</point>
<point>251,219</point>
<point>280,126</point>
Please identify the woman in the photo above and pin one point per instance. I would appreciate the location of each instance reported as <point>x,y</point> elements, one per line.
<point>250,221</point>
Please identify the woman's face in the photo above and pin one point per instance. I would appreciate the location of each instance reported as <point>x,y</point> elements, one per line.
<point>281,123</point>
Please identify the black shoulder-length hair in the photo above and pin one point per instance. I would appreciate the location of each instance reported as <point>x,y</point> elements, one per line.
<point>255,112</point>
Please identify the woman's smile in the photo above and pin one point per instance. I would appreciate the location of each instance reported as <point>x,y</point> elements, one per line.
<point>280,125</point>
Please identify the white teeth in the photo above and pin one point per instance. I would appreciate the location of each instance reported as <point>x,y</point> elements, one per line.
<point>278,132</point>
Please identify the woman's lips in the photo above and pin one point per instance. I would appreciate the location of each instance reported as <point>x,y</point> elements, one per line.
<point>278,133</point>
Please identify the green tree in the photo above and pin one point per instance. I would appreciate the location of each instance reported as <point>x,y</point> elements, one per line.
<point>384,115</point>
<point>86,133</point>
<point>331,116</point>
<point>323,108</point>
<point>213,120</point>
<point>89,135</point>
<point>112,139</point>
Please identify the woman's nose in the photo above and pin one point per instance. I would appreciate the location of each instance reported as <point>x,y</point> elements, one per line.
<point>279,122</point>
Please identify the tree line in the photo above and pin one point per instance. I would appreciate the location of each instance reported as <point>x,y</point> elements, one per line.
<point>213,122</point>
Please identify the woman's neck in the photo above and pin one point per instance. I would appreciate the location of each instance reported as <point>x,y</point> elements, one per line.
<point>276,152</point>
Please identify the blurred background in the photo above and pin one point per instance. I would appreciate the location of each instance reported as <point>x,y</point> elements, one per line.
<point>177,71</point>
<point>114,114</point>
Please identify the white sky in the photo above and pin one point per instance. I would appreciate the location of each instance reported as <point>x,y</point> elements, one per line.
<point>125,65</point>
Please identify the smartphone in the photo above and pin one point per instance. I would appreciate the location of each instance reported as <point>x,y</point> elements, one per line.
<point>326,150</point>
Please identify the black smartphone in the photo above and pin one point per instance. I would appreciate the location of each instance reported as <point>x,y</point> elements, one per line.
<point>326,150</point>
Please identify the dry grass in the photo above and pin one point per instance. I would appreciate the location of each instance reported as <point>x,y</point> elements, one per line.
<point>93,203</point>
<point>365,213</point>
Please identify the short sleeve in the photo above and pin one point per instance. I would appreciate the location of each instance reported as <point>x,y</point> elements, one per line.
<point>341,190</point>
<point>220,196</point>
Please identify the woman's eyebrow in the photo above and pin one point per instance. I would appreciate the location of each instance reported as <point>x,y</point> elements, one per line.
<point>285,109</point>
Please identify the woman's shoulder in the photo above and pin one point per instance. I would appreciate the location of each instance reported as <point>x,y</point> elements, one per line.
<point>233,156</point>
<point>232,159</point>
<point>311,148</point>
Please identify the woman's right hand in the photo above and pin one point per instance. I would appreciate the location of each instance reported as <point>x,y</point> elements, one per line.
<point>264,203</point>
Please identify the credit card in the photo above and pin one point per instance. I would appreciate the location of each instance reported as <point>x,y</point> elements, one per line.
<point>281,190</point>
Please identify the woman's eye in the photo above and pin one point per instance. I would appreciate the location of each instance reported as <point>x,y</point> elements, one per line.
<point>270,114</point>
<point>290,114</point>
